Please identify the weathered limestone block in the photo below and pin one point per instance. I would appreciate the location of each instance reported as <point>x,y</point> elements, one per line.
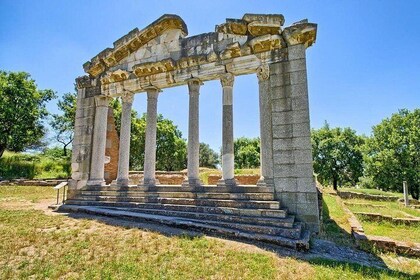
<point>293,170</point>
<point>300,33</point>
<point>233,26</point>
<point>277,19</point>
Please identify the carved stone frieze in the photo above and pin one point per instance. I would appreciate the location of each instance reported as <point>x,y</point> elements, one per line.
<point>300,33</point>
<point>132,42</point>
<point>258,28</point>
<point>248,41</point>
<point>276,19</point>
<point>152,68</point>
<point>233,50</point>
<point>115,76</point>
<point>266,43</point>
<point>233,26</point>
<point>191,61</point>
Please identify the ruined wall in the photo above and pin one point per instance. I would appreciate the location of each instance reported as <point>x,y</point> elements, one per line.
<point>82,143</point>
<point>112,149</point>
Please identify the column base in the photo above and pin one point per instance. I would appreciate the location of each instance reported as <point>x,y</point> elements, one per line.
<point>96,183</point>
<point>121,183</point>
<point>265,182</point>
<point>227,182</point>
<point>192,182</point>
<point>149,182</point>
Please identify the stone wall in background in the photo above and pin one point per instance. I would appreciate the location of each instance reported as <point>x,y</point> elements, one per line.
<point>111,150</point>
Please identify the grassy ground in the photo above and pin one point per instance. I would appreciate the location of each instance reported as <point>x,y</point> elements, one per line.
<point>371,191</point>
<point>391,208</point>
<point>387,229</point>
<point>396,232</point>
<point>335,226</point>
<point>40,244</point>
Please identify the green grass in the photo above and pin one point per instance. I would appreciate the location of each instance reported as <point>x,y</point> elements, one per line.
<point>391,208</point>
<point>371,191</point>
<point>29,193</point>
<point>335,226</point>
<point>36,245</point>
<point>397,232</point>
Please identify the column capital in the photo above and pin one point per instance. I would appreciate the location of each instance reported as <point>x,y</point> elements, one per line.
<point>127,97</point>
<point>263,72</point>
<point>152,92</point>
<point>102,100</point>
<point>194,85</point>
<point>227,79</point>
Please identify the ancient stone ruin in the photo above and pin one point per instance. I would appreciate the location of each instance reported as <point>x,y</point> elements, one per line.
<point>282,207</point>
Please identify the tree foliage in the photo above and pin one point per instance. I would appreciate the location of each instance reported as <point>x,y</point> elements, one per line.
<point>171,148</point>
<point>337,155</point>
<point>63,125</point>
<point>247,152</point>
<point>22,110</point>
<point>208,157</point>
<point>393,152</point>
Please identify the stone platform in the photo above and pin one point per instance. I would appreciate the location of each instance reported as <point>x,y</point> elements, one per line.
<point>240,212</point>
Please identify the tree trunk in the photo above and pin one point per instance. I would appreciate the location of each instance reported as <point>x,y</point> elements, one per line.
<point>2,149</point>
<point>414,191</point>
<point>65,150</point>
<point>335,183</point>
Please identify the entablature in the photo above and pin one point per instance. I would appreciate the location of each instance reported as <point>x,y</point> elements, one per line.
<point>161,56</point>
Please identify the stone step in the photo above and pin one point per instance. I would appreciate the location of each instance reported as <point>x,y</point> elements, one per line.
<point>292,233</point>
<point>286,222</point>
<point>173,188</point>
<point>253,204</point>
<point>195,195</point>
<point>301,243</point>
<point>272,213</point>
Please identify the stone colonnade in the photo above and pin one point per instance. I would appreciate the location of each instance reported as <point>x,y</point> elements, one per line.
<point>227,81</point>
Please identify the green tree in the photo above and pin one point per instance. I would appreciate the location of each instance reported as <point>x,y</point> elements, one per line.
<point>337,155</point>
<point>208,157</point>
<point>22,110</point>
<point>63,125</point>
<point>393,152</point>
<point>247,152</point>
<point>171,148</point>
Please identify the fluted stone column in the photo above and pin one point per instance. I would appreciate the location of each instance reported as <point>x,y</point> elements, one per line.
<point>266,133</point>
<point>125,134</point>
<point>96,176</point>
<point>193,134</point>
<point>150,145</point>
<point>227,132</point>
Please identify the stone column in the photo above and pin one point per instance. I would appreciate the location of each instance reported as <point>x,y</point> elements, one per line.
<point>96,176</point>
<point>125,133</point>
<point>227,132</point>
<point>266,133</point>
<point>193,134</point>
<point>150,146</point>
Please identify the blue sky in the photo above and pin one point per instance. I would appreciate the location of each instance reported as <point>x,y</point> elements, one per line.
<point>363,67</point>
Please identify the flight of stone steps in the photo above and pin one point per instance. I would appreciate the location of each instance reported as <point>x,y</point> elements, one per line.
<point>241,212</point>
